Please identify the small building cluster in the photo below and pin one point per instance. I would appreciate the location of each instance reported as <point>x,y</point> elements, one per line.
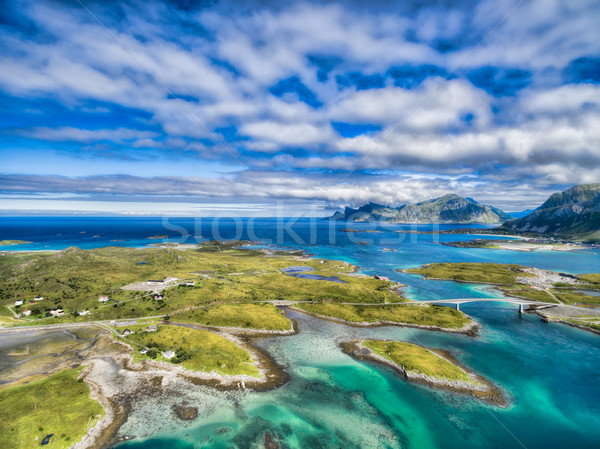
<point>188,284</point>
<point>103,299</point>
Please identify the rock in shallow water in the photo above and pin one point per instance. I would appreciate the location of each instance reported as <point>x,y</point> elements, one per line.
<point>185,412</point>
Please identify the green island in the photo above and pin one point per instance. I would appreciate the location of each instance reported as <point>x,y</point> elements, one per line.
<point>524,245</point>
<point>575,296</point>
<point>193,349</point>
<point>261,316</point>
<point>422,315</point>
<point>416,363</point>
<point>13,242</point>
<point>59,405</point>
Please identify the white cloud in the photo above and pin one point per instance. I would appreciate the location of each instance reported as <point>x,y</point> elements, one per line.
<point>438,104</point>
<point>288,134</point>
<point>67,133</point>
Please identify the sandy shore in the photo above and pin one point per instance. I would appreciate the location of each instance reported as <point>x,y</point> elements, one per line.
<point>480,387</point>
<point>116,382</point>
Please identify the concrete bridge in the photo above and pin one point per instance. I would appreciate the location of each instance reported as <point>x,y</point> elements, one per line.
<point>458,301</point>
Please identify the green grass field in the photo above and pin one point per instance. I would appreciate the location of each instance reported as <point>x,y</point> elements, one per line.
<point>489,273</point>
<point>73,279</point>
<point>423,315</point>
<point>577,298</point>
<point>417,359</point>
<point>263,316</point>
<point>197,350</point>
<point>58,405</point>
<point>505,276</point>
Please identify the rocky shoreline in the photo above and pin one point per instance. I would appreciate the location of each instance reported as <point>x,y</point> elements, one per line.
<point>471,329</point>
<point>117,382</point>
<point>480,389</point>
<point>561,314</point>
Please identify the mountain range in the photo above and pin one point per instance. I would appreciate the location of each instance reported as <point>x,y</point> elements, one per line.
<point>446,209</point>
<point>571,215</point>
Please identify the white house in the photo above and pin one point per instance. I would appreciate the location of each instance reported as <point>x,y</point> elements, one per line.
<point>103,299</point>
<point>159,297</point>
<point>57,312</point>
<point>83,312</point>
<point>18,302</point>
<point>38,298</point>
<point>188,284</point>
<point>170,279</point>
<point>168,354</point>
<point>26,312</point>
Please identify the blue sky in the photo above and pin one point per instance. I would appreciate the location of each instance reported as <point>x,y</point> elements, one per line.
<point>195,107</point>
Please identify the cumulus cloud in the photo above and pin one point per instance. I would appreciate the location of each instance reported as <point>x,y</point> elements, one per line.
<point>472,90</point>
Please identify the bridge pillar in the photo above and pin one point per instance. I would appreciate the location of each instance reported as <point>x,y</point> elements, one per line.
<point>458,306</point>
<point>521,308</point>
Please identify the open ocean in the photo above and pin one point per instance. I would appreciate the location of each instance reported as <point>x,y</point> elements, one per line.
<point>549,372</point>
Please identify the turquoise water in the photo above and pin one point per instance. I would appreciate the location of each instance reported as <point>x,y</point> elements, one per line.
<point>549,372</point>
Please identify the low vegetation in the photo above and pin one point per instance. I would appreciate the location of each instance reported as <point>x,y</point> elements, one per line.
<point>576,298</point>
<point>488,273</point>
<point>12,242</point>
<point>59,405</point>
<point>417,359</point>
<point>74,279</point>
<point>195,349</point>
<point>418,315</point>
<point>264,316</point>
<point>514,281</point>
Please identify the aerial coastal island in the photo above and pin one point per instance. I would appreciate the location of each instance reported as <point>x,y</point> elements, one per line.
<point>428,366</point>
<point>164,317</point>
<point>105,328</point>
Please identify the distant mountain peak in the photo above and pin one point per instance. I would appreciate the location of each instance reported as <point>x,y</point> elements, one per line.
<point>450,208</point>
<point>571,215</point>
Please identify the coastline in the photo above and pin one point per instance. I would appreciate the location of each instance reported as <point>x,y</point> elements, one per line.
<point>117,382</point>
<point>471,329</point>
<point>483,390</point>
